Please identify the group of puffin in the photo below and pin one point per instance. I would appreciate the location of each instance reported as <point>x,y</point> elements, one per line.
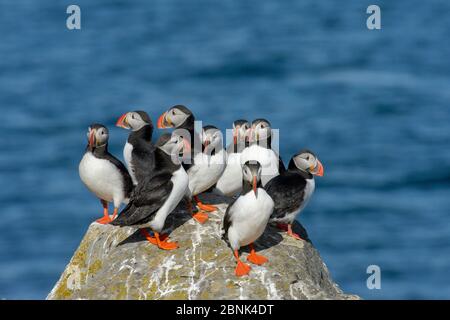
<point>189,161</point>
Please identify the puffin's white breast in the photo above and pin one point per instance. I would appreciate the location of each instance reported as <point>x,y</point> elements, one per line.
<point>250,215</point>
<point>101,177</point>
<point>266,157</point>
<point>127,150</point>
<point>230,182</point>
<point>206,171</point>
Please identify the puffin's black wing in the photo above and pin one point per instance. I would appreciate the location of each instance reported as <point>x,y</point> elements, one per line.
<point>143,160</point>
<point>287,192</point>
<point>146,200</point>
<point>227,219</point>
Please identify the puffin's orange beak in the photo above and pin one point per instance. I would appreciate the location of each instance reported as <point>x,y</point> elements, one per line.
<point>235,139</point>
<point>92,138</point>
<point>255,189</point>
<point>319,169</point>
<point>164,121</point>
<point>160,123</point>
<point>206,143</point>
<point>122,122</point>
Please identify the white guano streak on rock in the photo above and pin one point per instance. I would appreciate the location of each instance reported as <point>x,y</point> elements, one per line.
<point>127,283</point>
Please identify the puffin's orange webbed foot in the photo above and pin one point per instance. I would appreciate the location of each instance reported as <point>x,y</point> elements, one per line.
<point>104,220</point>
<point>242,269</point>
<point>204,207</point>
<point>201,217</point>
<point>165,245</point>
<point>159,240</point>
<point>257,259</point>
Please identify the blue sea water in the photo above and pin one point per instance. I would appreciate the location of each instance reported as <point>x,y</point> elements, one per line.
<point>374,106</point>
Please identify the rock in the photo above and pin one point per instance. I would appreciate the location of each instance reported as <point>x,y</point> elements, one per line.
<point>118,263</point>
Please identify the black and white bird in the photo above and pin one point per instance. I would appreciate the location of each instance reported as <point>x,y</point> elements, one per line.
<point>156,197</point>
<point>247,217</point>
<point>260,149</point>
<point>139,149</point>
<point>230,182</point>
<point>206,169</point>
<point>205,163</point>
<point>103,174</point>
<point>292,189</point>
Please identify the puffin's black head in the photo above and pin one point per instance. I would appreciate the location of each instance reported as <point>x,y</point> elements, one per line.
<point>173,144</point>
<point>240,128</point>
<point>260,130</point>
<point>134,120</point>
<point>305,160</point>
<point>211,136</point>
<point>251,174</point>
<point>97,135</point>
<point>176,117</point>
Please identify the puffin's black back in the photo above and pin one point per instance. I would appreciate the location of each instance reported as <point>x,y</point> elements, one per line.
<point>287,191</point>
<point>143,159</point>
<point>150,194</point>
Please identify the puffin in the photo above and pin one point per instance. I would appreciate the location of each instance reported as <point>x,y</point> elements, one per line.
<point>292,189</point>
<point>247,216</point>
<point>208,166</point>
<point>103,174</point>
<point>181,118</point>
<point>260,149</point>
<point>157,195</point>
<point>138,150</point>
<point>230,182</point>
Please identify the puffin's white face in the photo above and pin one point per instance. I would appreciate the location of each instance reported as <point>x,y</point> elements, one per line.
<point>131,120</point>
<point>251,173</point>
<point>308,162</point>
<point>174,145</point>
<point>97,135</point>
<point>212,138</point>
<point>260,130</point>
<point>240,131</point>
<point>173,118</point>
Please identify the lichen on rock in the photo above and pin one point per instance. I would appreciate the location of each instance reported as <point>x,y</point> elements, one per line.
<point>118,263</point>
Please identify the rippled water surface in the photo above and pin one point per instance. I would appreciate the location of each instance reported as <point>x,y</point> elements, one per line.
<point>374,105</point>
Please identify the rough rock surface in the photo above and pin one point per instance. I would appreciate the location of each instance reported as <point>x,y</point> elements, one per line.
<point>118,263</point>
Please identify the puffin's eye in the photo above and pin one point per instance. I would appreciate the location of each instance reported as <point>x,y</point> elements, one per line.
<point>132,116</point>
<point>173,112</point>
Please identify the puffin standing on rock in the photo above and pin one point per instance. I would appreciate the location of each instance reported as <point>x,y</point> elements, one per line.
<point>180,117</point>
<point>103,174</point>
<point>230,182</point>
<point>139,149</point>
<point>260,149</point>
<point>292,189</point>
<point>207,168</point>
<point>247,217</point>
<point>156,197</point>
